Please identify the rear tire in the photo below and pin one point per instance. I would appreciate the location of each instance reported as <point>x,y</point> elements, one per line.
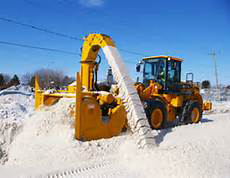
<point>156,113</point>
<point>192,112</point>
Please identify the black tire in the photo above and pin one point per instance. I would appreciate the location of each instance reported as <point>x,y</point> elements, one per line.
<point>150,107</point>
<point>189,108</point>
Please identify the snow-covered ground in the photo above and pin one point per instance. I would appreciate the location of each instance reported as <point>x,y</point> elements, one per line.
<point>42,144</point>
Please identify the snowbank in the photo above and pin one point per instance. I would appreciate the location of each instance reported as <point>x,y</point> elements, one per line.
<point>47,139</point>
<point>15,104</point>
<point>19,89</point>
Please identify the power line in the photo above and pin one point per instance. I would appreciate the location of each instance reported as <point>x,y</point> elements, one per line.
<point>60,34</point>
<point>46,49</point>
<point>40,29</point>
<point>37,47</point>
<point>131,52</point>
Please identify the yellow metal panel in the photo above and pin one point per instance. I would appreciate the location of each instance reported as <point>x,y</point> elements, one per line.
<point>66,95</point>
<point>117,120</point>
<point>207,106</point>
<point>106,99</point>
<point>38,93</point>
<point>78,105</point>
<point>89,124</point>
<point>71,89</point>
<point>177,101</point>
<point>92,125</point>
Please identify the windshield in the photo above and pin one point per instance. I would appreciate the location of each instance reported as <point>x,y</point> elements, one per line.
<point>162,70</point>
<point>154,69</point>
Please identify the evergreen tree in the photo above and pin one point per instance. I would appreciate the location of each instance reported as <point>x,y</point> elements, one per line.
<point>14,81</point>
<point>2,81</point>
<point>66,81</point>
<point>206,84</point>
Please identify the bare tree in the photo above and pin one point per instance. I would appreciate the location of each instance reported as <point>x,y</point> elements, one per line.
<point>26,78</point>
<point>50,78</point>
<point>6,78</point>
<point>67,80</point>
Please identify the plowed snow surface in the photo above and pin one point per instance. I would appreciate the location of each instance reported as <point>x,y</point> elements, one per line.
<point>45,146</point>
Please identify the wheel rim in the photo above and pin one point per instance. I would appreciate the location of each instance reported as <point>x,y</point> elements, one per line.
<point>156,118</point>
<point>195,115</point>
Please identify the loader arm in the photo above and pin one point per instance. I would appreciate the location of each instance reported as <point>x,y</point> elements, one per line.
<point>92,45</point>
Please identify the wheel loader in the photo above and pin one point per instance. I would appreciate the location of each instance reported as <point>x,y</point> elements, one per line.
<point>161,96</point>
<point>165,97</point>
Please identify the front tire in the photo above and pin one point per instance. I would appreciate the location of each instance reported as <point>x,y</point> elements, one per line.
<point>156,113</point>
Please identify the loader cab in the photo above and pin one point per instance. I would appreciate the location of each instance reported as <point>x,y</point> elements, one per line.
<point>165,70</point>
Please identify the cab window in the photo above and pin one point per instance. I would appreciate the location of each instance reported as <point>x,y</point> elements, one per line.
<point>174,71</point>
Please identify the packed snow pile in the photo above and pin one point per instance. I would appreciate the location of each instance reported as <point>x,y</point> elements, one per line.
<point>15,104</point>
<point>47,139</point>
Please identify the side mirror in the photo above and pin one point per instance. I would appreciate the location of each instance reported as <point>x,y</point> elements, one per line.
<point>138,67</point>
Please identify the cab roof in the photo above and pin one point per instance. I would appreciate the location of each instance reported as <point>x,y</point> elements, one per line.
<point>166,57</point>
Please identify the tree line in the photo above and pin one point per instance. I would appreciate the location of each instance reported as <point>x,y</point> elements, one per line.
<point>6,81</point>
<point>49,78</point>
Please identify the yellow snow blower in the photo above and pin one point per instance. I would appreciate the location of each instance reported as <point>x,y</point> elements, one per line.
<point>98,114</point>
<point>103,114</point>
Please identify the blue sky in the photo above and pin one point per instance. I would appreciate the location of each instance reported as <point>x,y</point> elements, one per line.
<point>187,29</point>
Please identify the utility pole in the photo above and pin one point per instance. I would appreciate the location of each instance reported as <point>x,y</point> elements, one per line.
<point>213,54</point>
